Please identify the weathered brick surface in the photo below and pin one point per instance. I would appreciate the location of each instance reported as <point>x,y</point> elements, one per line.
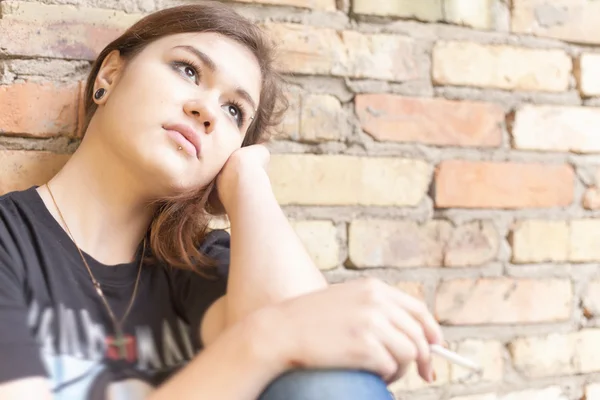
<point>322,118</point>
<point>557,354</point>
<point>348,180</point>
<point>39,109</point>
<point>583,240</point>
<point>323,5</point>
<point>430,121</point>
<point>503,185</point>
<point>319,5</point>
<point>380,243</point>
<point>486,353</point>
<point>312,50</point>
<point>550,393</point>
<point>503,301</point>
<point>507,121</point>
<point>501,67</point>
<point>320,240</point>
<point>571,20</point>
<point>556,241</point>
<point>556,128</point>
<point>540,241</point>
<point>59,31</point>
<point>587,76</point>
<point>425,10</point>
<point>475,13</point>
<point>591,298</point>
<point>592,391</point>
<point>23,169</point>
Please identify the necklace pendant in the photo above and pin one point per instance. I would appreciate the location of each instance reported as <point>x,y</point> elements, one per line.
<point>120,347</point>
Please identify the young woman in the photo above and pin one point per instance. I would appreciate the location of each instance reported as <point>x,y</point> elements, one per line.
<point>112,285</point>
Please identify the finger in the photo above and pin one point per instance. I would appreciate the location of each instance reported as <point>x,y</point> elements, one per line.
<point>400,346</point>
<point>413,329</point>
<point>375,357</point>
<point>416,308</point>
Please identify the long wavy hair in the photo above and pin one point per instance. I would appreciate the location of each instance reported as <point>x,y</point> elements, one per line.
<point>181,222</point>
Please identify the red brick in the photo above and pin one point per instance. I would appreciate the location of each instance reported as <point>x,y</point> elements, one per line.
<point>59,31</point>
<point>503,301</point>
<point>57,40</point>
<point>39,109</point>
<point>22,169</point>
<point>431,121</point>
<point>479,184</point>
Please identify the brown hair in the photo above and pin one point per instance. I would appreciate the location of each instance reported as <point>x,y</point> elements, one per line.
<point>181,222</point>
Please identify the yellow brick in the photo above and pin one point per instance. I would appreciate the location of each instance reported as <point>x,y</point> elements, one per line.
<point>322,118</point>
<point>23,169</point>
<point>550,393</point>
<point>308,179</point>
<point>486,353</point>
<point>474,13</point>
<point>583,243</point>
<point>501,67</point>
<point>425,10</point>
<point>587,74</point>
<point>323,5</point>
<point>591,298</point>
<point>540,241</point>
<point>557,354</point>
<point>324,51</point>
<point>320,240</point>
<point>592,391</point>
<point>388,243</point>
<point>570,20</point>
<point>537,357</point>
<point>557,128</point>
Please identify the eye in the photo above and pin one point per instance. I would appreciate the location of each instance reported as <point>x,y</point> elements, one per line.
<point>188,69</point>
<point>235,110</point>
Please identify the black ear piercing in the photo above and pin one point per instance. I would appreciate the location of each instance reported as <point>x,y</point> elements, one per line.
<point>99,93</point>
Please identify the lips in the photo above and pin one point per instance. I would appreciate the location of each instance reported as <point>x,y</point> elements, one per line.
<point>186,137</point>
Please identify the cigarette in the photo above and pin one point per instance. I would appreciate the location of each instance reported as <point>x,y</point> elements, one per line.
<point>455,358</point>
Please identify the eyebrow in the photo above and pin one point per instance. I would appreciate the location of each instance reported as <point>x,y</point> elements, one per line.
<point>210,64</point>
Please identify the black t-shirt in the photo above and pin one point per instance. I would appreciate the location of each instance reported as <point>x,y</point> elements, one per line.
<point>53,323</point>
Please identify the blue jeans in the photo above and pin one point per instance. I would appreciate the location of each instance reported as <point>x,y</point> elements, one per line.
<point>327,385</point>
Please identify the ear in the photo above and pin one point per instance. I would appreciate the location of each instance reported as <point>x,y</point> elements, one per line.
<point>108,74</point>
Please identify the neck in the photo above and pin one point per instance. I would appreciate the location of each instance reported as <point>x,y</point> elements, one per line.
<point>105,206</point>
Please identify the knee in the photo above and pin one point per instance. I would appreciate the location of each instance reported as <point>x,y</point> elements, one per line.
<point>327,385</point>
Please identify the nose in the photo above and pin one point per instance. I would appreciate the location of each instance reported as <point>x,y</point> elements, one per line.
<point>203,113</point>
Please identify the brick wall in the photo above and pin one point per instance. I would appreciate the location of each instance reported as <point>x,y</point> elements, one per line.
<point>449,147</point>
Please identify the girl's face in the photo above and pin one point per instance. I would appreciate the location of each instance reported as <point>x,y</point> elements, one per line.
<point>194,91</point>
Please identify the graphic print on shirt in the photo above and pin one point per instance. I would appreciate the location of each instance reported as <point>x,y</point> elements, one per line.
<point>81,366</point>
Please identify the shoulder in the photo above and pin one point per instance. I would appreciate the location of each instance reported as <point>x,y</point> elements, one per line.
<point>19,212</point>
<point>217,245</point>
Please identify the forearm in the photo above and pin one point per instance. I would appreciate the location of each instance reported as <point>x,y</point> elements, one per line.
<point>236,366</point>
<point>268,261</point>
